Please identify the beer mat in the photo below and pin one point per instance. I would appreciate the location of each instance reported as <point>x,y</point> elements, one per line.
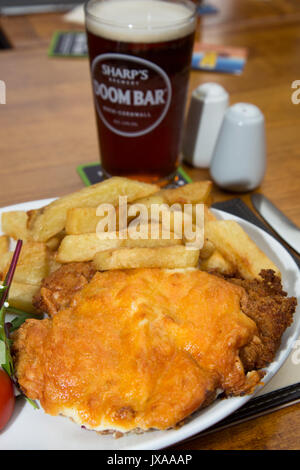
<point>284,388</point>
<point>92,173</point>
<point>68,44</point>
<point>215,58</point>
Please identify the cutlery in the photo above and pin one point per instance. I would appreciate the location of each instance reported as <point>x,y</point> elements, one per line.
<point>284,227</point>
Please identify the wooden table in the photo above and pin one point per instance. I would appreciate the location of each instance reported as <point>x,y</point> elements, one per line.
<point>47,128</point>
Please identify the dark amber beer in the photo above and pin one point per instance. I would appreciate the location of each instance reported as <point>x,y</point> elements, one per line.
<point>140,55</point>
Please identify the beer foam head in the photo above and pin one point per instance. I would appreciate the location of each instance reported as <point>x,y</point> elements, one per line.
<point>140,20</point>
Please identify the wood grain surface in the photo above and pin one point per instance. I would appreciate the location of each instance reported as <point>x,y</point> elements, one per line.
<point>47,128</point>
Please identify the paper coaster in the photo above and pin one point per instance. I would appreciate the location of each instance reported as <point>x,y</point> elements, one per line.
<point>92,173</point>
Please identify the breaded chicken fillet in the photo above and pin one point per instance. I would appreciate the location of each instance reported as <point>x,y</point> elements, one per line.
<point>266,303</point>
<point>144,348</point>
<point>58,289</point>
<point>137,349</point>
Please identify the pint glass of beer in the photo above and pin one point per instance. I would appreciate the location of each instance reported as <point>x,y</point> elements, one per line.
<point>140,54</point>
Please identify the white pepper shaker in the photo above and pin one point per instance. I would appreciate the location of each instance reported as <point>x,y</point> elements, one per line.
<point>208,105</point>
<point>239,159</point>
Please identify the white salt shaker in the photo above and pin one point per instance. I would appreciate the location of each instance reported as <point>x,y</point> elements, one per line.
<point>239,159</point>
<point>208,105</point>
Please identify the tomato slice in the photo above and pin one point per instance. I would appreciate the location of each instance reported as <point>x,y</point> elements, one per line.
<point>7,398</point>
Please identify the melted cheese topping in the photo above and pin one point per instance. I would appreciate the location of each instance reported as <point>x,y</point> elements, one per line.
<point>140,348</point>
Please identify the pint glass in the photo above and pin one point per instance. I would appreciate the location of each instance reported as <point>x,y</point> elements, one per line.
<point>140,54</point>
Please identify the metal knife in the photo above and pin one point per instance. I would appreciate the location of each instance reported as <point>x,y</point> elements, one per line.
<point>284,227</point>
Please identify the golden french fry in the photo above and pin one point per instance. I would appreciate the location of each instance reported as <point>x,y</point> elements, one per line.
<point>77,248</point>
<point>181,224</point>
<point>143,207</point>
<point>54,242</point>
<point>192,193</point>
<point>83,247</point>
<point>33,264</point>
<point>171,220</point>
<point>207,250</point>
<point>147,203</point>
<point>156,198</point>
<point>5,255</point>
<point>14,224</point>
<point>32,215</point>
<point>208,215</point>
<point>21,294</point>
<point>54,265</point>
<point>85,220</point>
<point>217,263</point>
<point>150,236</point>
<point>4,245</point>
<point>238,249</point>
<point>187,223</point>
<point>51,219</point>
<point>5,260</point>
<point>163,257</point>
<point>162,213</point>
<point>151,243</point>
<point>82,220</point>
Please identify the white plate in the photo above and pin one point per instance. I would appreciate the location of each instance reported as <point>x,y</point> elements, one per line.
<point>30,429</point>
